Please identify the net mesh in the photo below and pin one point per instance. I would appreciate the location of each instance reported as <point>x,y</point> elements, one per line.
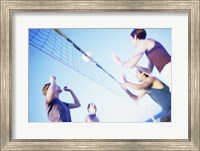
<point>58,46</point>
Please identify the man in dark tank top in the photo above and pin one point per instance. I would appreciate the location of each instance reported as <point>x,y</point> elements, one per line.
<point>152,86</point>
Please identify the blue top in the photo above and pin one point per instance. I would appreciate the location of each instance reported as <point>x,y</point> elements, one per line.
<point>58,111</point>
<point>163,98</point>
<point>92,116</point>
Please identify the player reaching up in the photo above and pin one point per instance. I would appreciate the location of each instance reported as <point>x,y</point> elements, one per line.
<point>155,52</point>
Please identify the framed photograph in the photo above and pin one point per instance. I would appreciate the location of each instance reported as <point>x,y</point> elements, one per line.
<point>76,43</point>
<point>66,60</point>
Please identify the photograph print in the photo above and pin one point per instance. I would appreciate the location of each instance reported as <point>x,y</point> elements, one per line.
<point>112,75</point>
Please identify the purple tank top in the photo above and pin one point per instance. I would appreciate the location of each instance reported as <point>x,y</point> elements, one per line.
<point>158,56</point>
<point>58,111</point>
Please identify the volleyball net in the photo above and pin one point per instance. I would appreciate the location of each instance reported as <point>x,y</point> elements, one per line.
<point>57,45</point>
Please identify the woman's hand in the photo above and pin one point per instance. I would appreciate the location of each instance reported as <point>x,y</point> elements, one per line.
<point>67,89</point>
<point>52,78</point>
<point>123,78</point>
<point>116,59</point>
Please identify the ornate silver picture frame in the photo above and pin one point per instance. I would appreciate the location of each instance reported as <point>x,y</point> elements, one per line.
<point>10,7</point>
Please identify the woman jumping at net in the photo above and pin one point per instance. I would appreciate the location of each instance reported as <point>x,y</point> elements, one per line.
<point>152,86</point>
<point>155,52</point>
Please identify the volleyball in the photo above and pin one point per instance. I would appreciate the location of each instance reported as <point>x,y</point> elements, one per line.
<point>85,58</point>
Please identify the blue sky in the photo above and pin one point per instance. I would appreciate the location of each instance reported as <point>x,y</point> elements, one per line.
<point>101,43</point>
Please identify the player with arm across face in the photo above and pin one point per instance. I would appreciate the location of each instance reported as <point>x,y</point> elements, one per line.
<point>152,86</point>
<point>57,110</point>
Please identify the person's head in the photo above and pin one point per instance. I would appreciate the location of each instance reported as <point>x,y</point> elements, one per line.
<point>138,34</point>
<point>142,73</point>
<point>92,109</point>
<point>46,87</point>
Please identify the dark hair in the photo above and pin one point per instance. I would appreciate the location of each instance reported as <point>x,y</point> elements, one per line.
<point>146,75</point>
<point>140,33</point>
<point>89,106</point>
<point>45,88</point>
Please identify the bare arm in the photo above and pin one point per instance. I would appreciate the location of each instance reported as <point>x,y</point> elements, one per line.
<point>148,82</point>
<point>133,96</point>
<point>129,63</point>
<point>134,60</point>
<point>51,90</point>
<point>150,66</point>
<point>76,100</point>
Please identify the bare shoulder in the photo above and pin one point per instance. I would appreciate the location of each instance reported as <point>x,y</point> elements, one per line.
<point>156,79</point>
<point>142,45</point>
<point>157,84</point>
<point>151,79</point>
<point>147,82</point>
<point>150,43</point>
